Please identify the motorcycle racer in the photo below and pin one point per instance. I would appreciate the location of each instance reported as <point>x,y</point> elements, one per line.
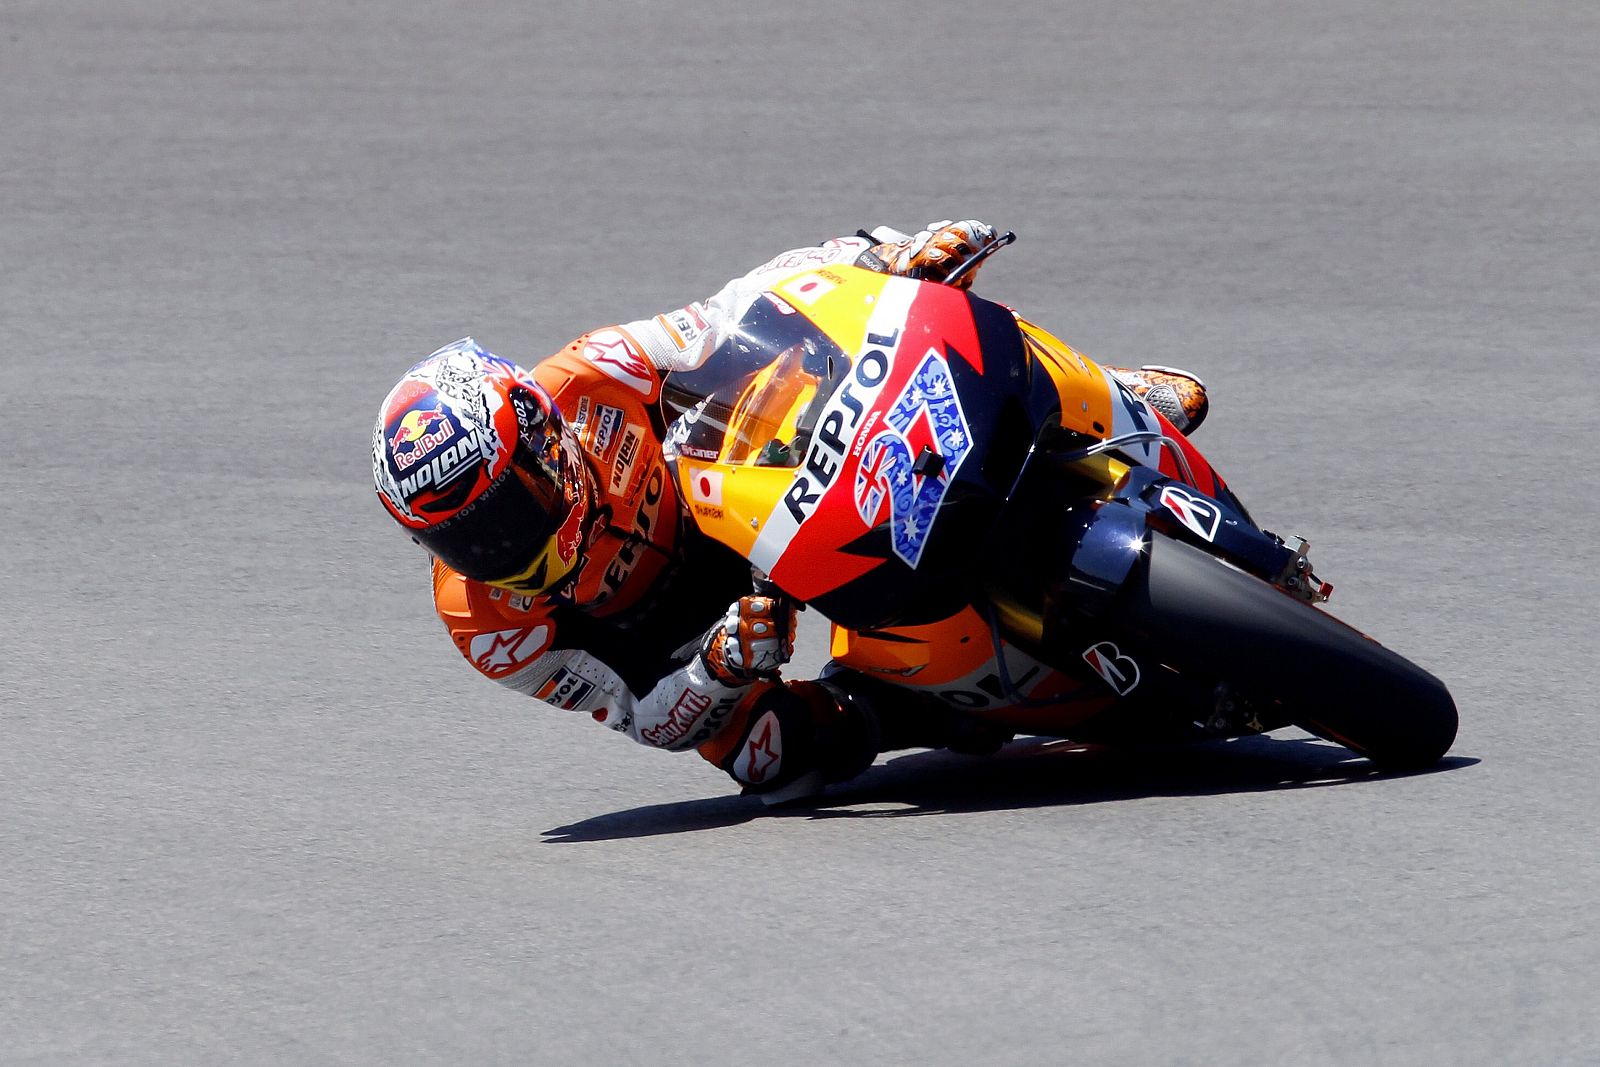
<point>566,567</point>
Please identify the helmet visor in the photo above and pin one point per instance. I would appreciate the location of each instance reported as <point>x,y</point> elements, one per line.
<point>554,554</point>
<point>504,531</point>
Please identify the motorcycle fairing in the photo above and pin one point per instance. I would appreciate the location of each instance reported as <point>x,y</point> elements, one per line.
<point>1090,547</point>
<point>850,410</point>
<point>954,660</point>
<point>929,416</point>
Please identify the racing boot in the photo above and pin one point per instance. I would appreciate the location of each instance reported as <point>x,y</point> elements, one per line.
<point>786,741</point>
<point>1177,394</point>
<point>861,718</point>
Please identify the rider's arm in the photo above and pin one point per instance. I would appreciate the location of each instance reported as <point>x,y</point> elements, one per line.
<point>518,642</point>
<point>682,339</point>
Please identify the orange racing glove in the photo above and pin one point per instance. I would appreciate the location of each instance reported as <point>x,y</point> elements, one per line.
<point>752,641</point>
<point>937,250</point>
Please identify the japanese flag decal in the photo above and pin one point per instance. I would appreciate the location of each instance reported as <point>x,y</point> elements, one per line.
<point>1120,672</point>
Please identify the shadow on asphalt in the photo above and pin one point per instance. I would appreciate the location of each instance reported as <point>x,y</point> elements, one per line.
<point>1030,773</point>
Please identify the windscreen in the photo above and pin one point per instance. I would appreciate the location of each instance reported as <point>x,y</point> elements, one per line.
<point>756,400</point>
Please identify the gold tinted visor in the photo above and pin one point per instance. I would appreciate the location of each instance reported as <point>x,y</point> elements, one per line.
<point>562,548</point>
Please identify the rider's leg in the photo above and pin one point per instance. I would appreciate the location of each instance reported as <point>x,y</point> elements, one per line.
<point>907,719</point>
<point>786,741</point>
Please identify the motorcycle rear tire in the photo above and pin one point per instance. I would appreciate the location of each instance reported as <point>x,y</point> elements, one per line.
<point>1213,620</point>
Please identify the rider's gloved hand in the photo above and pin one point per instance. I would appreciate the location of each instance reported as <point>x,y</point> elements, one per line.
<point>752,641</point>
<point>937,250</point>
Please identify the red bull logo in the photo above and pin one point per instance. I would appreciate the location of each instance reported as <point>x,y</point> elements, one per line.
<point>569,538</point>
<point>419,433</point>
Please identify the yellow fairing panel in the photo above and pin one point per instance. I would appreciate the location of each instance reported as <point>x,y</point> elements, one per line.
<point>730,502</point>
<point>838,301</point>
<point>1080,383</point>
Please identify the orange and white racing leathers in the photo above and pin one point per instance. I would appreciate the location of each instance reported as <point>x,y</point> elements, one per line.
<point>622,643</point>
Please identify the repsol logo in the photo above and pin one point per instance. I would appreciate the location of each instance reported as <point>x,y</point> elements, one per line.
<point>448,465</point>
<point>831,443</point>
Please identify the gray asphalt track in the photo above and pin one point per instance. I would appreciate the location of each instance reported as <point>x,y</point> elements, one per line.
<point>253,808</point>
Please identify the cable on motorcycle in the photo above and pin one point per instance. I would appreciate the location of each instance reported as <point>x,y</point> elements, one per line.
<point>1007,686</point>
<point>972,261</point>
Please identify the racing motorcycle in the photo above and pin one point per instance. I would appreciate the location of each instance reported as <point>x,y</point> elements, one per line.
<point>988,518</point>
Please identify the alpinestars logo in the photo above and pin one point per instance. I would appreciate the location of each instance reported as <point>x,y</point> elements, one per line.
<point>501,652</point>
<point>1120,672</point>
<point>763,752</point>
<point>1199,515</point>
<point>611,352</point>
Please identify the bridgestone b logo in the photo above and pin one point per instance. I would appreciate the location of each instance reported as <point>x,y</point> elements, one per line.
<point>1119,671</point>
<point>1198,514</point>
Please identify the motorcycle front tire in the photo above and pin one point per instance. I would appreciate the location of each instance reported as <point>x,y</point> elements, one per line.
<point>1215,621</point>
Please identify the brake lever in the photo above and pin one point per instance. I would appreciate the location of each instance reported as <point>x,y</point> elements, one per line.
<point>972,261</point>
<point>761,585</point>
